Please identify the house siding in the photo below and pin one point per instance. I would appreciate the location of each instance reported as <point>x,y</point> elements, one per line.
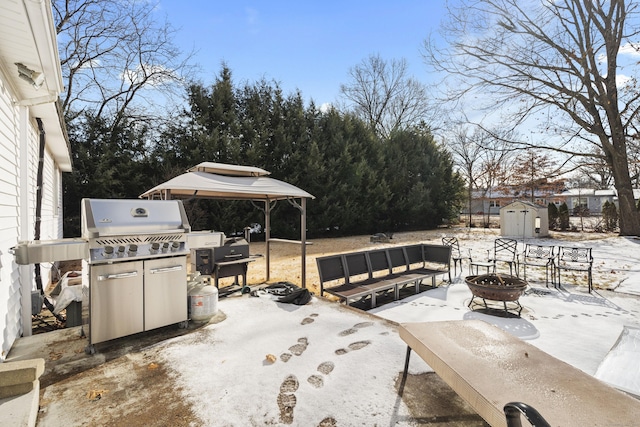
<point>10,287</point>
<point>19,165</point>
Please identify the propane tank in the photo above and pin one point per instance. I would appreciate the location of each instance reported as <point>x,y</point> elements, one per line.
<point>203,301</point>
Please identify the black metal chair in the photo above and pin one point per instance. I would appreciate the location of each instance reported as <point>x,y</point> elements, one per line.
<point>538,256</point>
<point>505,251</point>
<point>574,259</point>
<point>456,255</point>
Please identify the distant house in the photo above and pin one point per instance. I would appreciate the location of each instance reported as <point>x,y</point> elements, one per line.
<point>592,200</point>
<point>489,201</point>
<point>30,121</point>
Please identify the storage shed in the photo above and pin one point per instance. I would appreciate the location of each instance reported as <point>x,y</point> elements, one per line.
<point>524,219</point>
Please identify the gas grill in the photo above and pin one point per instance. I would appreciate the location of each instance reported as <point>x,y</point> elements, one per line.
<point>134,265</point>
<point>135,272</point>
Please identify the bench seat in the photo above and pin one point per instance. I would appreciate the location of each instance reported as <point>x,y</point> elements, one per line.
<point>356,275</point>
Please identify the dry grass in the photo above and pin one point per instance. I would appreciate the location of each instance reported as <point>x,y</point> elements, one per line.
<point>285,257</point>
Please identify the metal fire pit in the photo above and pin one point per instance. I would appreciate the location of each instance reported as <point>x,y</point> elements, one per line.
<point>497,287</point>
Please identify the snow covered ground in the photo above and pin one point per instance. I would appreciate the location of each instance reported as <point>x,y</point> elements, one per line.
<point>336,359</point>
<point>323,364</point>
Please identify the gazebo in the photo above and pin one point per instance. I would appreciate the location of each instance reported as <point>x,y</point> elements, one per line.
<point>235,182</point>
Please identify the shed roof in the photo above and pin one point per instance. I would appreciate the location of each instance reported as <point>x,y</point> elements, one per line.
<point>526,203</point>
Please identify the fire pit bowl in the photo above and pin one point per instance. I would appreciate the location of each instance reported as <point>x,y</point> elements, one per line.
<point>497,287</point>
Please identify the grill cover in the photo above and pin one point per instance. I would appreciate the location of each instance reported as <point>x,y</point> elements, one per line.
<point>117,217</point>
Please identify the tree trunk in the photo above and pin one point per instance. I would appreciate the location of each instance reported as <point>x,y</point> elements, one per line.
<point>629,216</point>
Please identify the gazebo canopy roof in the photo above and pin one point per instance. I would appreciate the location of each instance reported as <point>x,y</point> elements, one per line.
<point>230,170</point>
<point>231,182</point>
<point>235,182</point>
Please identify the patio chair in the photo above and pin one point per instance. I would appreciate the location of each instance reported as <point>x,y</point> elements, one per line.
<point>456,255</point>
<point>538,256</point>
<point>504,251</point>
<point>574,259</point>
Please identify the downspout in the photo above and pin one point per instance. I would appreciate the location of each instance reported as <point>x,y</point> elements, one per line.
<point>38,220</point>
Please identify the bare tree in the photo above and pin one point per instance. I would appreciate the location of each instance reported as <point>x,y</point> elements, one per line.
<point>532,171</point>
<point>467,156</point>
<point>117,57</point>
<point>384,95</point>
<point>594,171</point>
<point>557,60</point>
<point>482,158</point>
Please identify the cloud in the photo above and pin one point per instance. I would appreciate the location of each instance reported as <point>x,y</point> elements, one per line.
<point>326,107</point>
<point>630,49</point>
<point>622,80</point>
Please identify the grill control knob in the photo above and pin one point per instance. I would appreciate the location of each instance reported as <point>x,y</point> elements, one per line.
<point>175,246</point>
<point>133,248</point>
<point>155,246</point>
<point>108,250</point>
<point>165,246</point>
<point>120,250</point>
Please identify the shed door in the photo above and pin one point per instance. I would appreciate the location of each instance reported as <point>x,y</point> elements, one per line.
<point>512,222</point>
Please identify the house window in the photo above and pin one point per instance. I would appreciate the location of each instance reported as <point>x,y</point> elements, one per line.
<point>580,203</point>
<point>494,203</point>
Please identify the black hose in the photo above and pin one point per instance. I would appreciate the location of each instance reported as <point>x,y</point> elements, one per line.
<point>39,185</point>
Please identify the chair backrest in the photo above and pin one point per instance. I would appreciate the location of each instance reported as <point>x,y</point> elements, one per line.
<point>330,268</point>
<point>453,243</point>
<point>578,255</point>
<point>413,254</point>
<point>539,251</point>
<point>397,259</point>
<point>379,262</point>
<point>505,249</point>
<point>437,254</point>
<point>357,266</point>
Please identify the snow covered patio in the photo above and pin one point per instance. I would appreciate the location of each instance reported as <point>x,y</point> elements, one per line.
<point>266,363</point>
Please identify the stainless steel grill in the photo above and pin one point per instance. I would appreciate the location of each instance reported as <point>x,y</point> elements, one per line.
<point>134,256</point>
<point>135,270</point>
<point>124,230</point>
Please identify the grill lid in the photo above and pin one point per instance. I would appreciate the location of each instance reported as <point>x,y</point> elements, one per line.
<point>118,217</point>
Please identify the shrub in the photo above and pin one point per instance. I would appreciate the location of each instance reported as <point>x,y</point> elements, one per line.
<point>563,217</point>
<point>610,216</point>
<point>552,210</point>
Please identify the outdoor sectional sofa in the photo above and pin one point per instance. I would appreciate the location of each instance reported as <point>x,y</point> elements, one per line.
<point>355,276</point>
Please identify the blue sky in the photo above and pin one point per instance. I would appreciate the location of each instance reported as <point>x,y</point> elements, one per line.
<point>305,45</point>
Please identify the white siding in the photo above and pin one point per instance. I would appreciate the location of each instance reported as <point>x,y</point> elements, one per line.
<point>10,291</point>
<point>18,174</point>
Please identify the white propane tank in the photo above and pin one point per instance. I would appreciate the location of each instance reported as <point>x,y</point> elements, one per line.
<point>203,303</point>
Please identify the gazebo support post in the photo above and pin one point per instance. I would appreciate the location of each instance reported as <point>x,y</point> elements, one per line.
<point>267,235</point>
<point>303,238</point>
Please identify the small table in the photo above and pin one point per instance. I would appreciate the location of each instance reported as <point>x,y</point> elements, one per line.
<point>489,368</point>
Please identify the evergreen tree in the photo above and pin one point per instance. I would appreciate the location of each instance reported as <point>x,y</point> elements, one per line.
<point>552,210</point>
<point>610,216</point>
<point>563,217</point>
<point>109,162</point>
